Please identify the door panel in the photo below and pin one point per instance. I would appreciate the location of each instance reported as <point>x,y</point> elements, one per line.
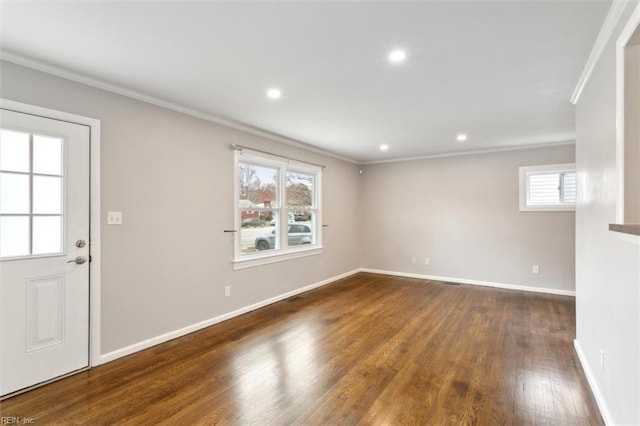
<point>45,312</point>
<point>44,210</point>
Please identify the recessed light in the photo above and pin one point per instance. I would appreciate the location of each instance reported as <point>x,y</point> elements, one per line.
<point>397,56</point>
<point>274,93</point>
<point>384,147</point>
<point>461,137</point>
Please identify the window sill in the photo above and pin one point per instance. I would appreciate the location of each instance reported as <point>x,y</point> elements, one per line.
<point>629,228</point>
<point>276,257</point>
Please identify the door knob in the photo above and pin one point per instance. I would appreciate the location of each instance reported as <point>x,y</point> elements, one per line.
<point>79,260</point>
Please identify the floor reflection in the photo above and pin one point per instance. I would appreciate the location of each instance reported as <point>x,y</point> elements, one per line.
<point>544,393</point>
<point>276,370</point>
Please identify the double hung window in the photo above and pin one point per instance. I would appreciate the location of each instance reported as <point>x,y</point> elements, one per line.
<point>277,210</point>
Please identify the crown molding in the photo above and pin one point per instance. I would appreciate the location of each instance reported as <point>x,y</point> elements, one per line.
<point>475,152</point>
<point>113,88</point>
<point>608,26</point>
<point>99,84</point>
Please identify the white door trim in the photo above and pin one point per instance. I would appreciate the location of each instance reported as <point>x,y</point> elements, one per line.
<point>632,24</point>
<point>94,222</point>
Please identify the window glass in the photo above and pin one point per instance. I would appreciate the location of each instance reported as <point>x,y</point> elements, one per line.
<point>300,202</point>
<point>47,195</point>
<point>299,189</point>
<point>47,155</point>
<point>570,187</point>
<point>47,234</point>
<point>14,151</point>
<point>258,186</point>
<point>14,193</point>
<point>14,236</point>
<point>544,188</point>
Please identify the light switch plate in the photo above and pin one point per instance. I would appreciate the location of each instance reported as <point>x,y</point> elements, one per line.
<point>114,218</point>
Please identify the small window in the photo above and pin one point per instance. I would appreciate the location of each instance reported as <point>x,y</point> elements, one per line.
<point>548,188</point>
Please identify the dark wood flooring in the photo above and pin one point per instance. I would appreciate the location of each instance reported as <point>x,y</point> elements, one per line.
<point>368,349</point>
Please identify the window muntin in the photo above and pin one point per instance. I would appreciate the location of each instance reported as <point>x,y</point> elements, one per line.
<point>548,188</point>
<point>31,194</point>
<point>277,208</point>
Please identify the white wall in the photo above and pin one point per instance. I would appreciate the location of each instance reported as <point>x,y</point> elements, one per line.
<point>171,175</point>
<point>607,263</point>
<point>463,214</point>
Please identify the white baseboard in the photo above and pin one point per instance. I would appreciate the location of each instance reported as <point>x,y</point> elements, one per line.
<point>136,347</point>
<point>110,356</point>
<point>602,405</point>
<point>473,282</point>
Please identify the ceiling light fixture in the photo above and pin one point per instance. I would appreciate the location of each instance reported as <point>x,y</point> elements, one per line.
<point>461,137</point>
<point>274,93</point>
<point>384,147</point>
<point>397,56</point>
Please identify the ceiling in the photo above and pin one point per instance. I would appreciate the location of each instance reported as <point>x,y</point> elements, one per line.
<point>501,72</point>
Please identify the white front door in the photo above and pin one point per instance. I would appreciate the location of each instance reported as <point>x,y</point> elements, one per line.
<point>44,249</point>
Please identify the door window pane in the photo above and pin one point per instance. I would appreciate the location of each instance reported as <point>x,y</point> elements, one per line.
<point>14,193</point>
<point>31,194</point>
<point>14,151</point>
<point>47,234</point>
<point>47,195</point>
<point>14,236</point>
<point>47,155</point>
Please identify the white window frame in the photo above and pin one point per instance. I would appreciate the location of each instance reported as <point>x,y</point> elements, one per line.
<point>283,253</point>
<point>526,171</point>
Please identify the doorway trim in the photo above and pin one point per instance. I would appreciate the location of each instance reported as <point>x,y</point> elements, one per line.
<point>623,40</point>
<point>94,209</point>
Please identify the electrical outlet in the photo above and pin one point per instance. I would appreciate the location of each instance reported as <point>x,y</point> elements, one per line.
<point>535,269</point>
<point>227,291</point>
<point>114,218</point>
<point>413,261</point>
<point>427,261</point>
<point>602,359</point>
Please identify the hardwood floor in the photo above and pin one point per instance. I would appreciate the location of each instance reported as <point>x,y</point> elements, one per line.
<point>369,349</point>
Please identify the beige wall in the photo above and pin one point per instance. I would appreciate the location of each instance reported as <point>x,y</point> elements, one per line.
<point>463,214</point>
<point>607,263</point>
<point>171,175</point>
